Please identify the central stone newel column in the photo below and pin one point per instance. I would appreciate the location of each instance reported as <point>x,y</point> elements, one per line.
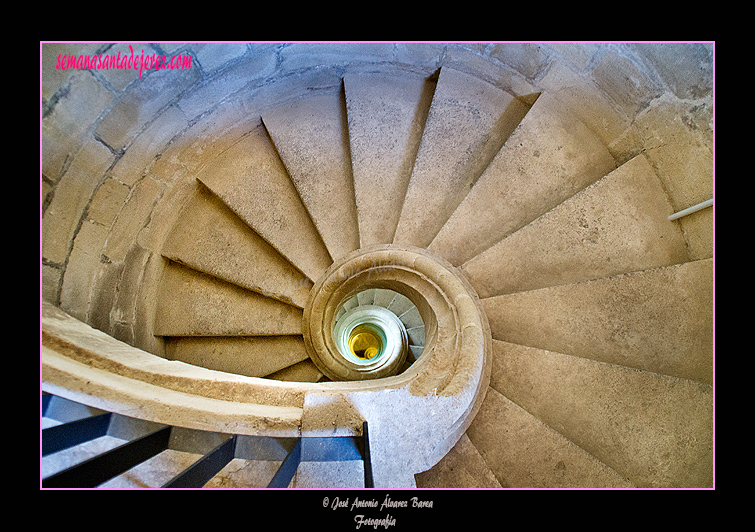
<point>417,403</point>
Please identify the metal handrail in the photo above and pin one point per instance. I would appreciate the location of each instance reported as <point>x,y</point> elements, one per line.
<point>700,206</point>
<point>103,467</point>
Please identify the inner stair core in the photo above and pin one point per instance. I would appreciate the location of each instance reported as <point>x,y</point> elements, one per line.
<point>379,327</point>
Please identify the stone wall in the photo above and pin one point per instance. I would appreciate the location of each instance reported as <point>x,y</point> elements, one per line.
<point>119,149</point>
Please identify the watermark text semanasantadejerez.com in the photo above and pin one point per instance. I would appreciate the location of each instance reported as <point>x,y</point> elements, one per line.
<point>126,61</point>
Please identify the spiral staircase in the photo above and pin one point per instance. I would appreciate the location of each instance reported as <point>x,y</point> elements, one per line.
<point>600,360</point>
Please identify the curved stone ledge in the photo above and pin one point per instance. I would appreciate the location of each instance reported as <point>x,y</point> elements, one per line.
<point>86,365</point>
<point>138,399</point>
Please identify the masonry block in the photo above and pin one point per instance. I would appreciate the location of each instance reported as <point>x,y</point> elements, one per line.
<point>212,56</point>
<point>249,71</point>
<point>526,58</point>
<point>141,102</point>
<point>107,201</point>
<point>54,78</point>
<point>81,269</point>
<point>306,55</point>
<point>148,144</point>
<point>132,218</point>
<point>71,198</point>
<point>627,85</point>
<point>587,101</point>
<point>686,68</point>
<point>64,128</point>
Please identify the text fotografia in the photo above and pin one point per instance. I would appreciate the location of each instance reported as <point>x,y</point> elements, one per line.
<point>130,61</point>
<point>358,504</point>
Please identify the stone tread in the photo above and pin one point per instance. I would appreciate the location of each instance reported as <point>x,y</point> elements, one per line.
<point>618,224</point>
<point>524,452</point>
<point>304,371</point>
<point>311,136</point>
<point>191,303</point>
<point>250,178</point>
<point>468,121</point>
<point>549,157</point>
<point>386,117</point>
<point>614,413</point>
<point>210,238</point>
<point>658,320</point>
<point>253,356</point>
<point>462,467</point>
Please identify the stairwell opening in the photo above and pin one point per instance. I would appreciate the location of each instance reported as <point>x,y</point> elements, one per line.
<point>379,327</point>
<point>384,312</point>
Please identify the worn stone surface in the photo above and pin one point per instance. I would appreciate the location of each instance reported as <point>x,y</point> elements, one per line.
<point>467,124</point>
<point>132,218</point>
<point>386,118</point>
<point>254,356</point>
<point>619,224</point>
<point>330,475</point>
<point>251,179</point>
<point>614,413</point>
<point>549,157</point>
<point>71,198</point>
<point>107,202</point>
<point>148,145</point>
<point>463,467</point>
<point>591,105</point>
<point>84,263</point>
<point>248,71</point>
<point>141,103</point>
<point>56,78</point>
<point>525,453</point>
<point>209,237</point>
<point>648,99</point>
<point>657,320</point>
<point>527,58</point>
<point>194,304</point>
<point>212,56</point>
<point>687,68</point>
<point>311,136</point>
<point>64,128</point>
<point>304,371</point>
<point>678,142</point>
<point>628,86</point>
<point>307,55</point>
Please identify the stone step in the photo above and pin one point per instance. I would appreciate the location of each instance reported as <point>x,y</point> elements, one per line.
<point>210,238</point>
<point>312,138</point>
<point>304,371</point>
<point>191,303</point>
<point>253,356</point>
<point>468,122</point>
<point>658,320</point>
<point>619,224</point>
<point>250,178</point>
<point>463,467</point>
<point>386,118</point>
<point>549,157</point>
<point>524,452</point>
<point>616,414</point>
<point>383,297</point>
